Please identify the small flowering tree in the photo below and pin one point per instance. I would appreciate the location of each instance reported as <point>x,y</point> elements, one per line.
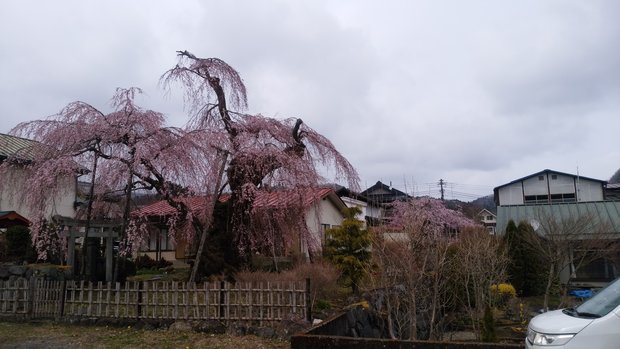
<point>412,256</point>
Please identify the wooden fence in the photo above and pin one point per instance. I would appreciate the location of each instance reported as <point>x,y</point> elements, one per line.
<point>241,301</point>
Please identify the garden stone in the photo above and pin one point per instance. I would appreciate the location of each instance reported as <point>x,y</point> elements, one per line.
<point>18,270</point>
<point>180,326</point>
<point>4,271</point>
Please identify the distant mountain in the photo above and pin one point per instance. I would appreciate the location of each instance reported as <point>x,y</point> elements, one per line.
<point>485,202</point>
<point>615,178</point>
<point>471,209</point>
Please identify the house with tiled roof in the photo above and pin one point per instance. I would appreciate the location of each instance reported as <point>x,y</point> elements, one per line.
<point>322,210</point>
<point>13,186</point>
<point>379,198</point>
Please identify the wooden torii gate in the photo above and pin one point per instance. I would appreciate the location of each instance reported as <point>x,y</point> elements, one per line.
<point>74,228</point>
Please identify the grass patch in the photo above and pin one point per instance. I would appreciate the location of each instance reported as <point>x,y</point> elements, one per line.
<point>177,274</point>
<point>48,334</point>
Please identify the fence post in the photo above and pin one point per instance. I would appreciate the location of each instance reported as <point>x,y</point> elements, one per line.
<point>222,299</point>
<point>30,300</point>
<point>308,302</point>
<point>61,304</point>
<point>139,300</point>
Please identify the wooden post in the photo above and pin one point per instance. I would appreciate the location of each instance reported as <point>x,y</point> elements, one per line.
<point>89,309</point>
<point>222,299</point>
<point>71,251</point>
<point>109,254</point>
<point>61,304</point>
<point>30,300</point>
<point>308,302</point>
<point>139,301</point>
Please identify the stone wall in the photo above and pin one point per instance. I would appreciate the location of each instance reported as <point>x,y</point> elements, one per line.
<point>47,272</point>
<point>356,322</point>
<point>360,329</point>
<point>334,342</point>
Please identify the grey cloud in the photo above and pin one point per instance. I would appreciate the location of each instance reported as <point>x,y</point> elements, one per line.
<point>476,92</point>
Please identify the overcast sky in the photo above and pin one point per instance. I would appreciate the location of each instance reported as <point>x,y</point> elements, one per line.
<point>477,93</point>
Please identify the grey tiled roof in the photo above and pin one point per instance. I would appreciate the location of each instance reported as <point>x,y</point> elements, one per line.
<point>15,146</point>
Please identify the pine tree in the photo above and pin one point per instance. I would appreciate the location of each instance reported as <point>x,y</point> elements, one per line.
<point>525,270</point>
<point>348,247</point>
<point>515,253</point>
<point>488,326</point>
<point>534,268</point>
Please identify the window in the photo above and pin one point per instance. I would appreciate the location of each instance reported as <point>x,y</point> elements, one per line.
<point>554,177</point>
<point>536,199</point>
<point>541,178</point>
<point>160,240</point>
<point>324,227</point>
<point>567,197</point>
<point>451,233</point>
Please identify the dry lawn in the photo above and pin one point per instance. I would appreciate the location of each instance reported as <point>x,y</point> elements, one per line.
<point>50,335</point>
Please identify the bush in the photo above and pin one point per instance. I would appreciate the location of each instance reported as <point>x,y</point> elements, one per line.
<point>126,268</point>
<point>3,248</point>
<point>323,279</point>
<point>503,293</point>
<point>322,304</point>
<point>19,244</point>
<point>488,326</point>
<point>146,262</point>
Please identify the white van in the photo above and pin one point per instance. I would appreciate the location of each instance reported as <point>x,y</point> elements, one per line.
<point>595,324</point>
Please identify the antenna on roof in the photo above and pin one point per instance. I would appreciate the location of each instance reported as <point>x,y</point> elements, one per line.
<point>578,197</point>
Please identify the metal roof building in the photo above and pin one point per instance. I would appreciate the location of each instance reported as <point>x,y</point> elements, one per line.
<point>605,213</point>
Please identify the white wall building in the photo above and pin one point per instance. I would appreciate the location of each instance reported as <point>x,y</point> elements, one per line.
<point>13,184</point>
<point>555,196</point>
<point>488,219</point>
<point>323,210</point>
<point>548,187</point>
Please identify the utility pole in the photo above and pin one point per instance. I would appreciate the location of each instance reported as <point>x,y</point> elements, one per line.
<point>441,184</point>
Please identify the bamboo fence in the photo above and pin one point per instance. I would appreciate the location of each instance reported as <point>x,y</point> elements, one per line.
<point>224,301</point>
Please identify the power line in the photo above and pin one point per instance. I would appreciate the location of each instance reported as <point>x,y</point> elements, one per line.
<point>451,190</point>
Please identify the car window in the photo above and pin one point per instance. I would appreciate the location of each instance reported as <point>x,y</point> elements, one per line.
<point>602,302</point>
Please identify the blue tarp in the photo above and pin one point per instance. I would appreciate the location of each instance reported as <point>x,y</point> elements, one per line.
<point>581,293</point>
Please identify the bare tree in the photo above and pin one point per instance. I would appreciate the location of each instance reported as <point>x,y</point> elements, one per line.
<point>566,244</point>
<point>412,256</point>
<point>478,263</point>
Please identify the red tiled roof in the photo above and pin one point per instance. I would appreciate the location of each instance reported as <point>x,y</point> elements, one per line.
<point>11,218</point>
<point>288,198</point>
<point>263,200</point>
<point>163,208</point>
